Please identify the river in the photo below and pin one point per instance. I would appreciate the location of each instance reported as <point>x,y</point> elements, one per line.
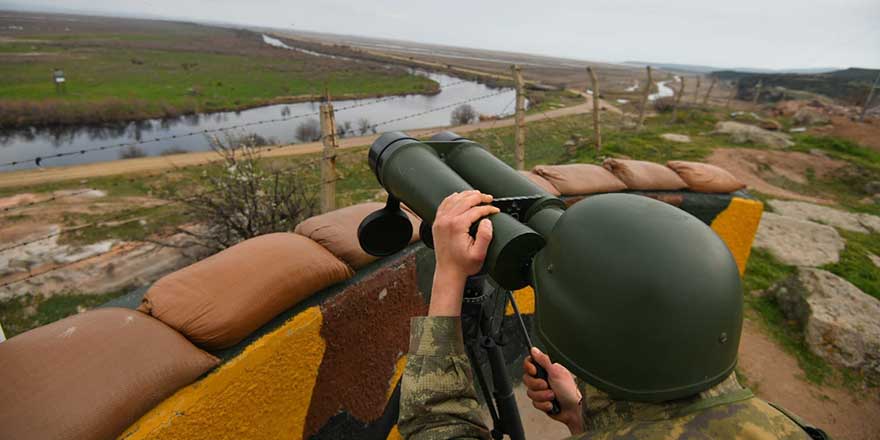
<point>26,144</point>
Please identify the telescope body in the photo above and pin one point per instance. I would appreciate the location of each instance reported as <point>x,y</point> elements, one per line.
<point>422,174</point>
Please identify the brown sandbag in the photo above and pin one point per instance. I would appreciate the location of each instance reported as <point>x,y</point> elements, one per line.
<point>91,375</point>
<point>337,231</point>
<point>704,177</point>
<point>642,175</point>
<point>541,182</point>
<point>220,300</point>
<point>580,178</point>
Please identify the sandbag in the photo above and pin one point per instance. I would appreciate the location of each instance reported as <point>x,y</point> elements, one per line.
<point>704,177</point>
<point>641,175</point>
<point>541,182</point>
<point>337,231</point>
<point>91,375</point>
<point>220,300</point>
<point>579,179</point>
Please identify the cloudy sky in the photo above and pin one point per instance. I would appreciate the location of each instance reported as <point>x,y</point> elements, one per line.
<point>752,33</point>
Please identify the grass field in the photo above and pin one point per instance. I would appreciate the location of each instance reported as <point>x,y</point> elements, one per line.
<point>129,69</point>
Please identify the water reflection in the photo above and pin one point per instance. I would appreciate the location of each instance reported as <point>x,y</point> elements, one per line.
<point>16,145</point>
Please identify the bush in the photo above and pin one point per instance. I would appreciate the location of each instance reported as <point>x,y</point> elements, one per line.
<point>463,114</point>
<point>132,152</point>
<point>308,131</point>
<point>364,126</point>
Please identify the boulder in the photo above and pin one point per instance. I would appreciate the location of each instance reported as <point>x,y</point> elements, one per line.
<point>744,133</point>
<point>680,138</point>
<point>839,320</point>
<point>809,116</point>
<point>851,221</point>
<point>872,187</point>
<point>798,242</point>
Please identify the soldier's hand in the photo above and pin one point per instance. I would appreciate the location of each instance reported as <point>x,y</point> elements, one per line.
<point>561,386</point>
<point>459,255</point>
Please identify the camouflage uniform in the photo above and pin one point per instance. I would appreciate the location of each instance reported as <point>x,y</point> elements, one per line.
<point>438,401</point>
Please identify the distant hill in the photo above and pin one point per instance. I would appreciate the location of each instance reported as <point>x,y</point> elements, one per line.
<point>848,85</point>
<point>697,68</point>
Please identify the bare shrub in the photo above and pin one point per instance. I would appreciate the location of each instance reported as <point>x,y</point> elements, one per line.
<point>364,126</point>
<point>172,151</point>
<point>132,152</point>
<point>344,129</point>
<point>463,114</point>
<point>308,131</point>
<point>664,104</point>
<point>243,196</point>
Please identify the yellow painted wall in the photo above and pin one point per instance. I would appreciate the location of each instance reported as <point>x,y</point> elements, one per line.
<point>737,226</point>
<point>263,393</point>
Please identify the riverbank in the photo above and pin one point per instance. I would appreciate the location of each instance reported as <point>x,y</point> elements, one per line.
<point>130,70</point>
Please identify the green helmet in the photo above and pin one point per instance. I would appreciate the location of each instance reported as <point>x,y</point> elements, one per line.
<point>638,298</point>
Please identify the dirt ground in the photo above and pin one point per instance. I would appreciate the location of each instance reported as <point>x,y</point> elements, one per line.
<point>754,167</point>
<point>774,375</point>
<point>865,133</point>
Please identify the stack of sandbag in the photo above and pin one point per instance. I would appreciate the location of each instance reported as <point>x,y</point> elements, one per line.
<point>90,376</point>
<point>635,175</point>
<point>337,232</point>
<point>219,301</point>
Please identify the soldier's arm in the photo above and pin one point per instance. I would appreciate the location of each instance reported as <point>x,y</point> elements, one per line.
<point>438,400</point>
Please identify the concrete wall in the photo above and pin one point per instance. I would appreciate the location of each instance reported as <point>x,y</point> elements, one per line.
<point>330,367</point>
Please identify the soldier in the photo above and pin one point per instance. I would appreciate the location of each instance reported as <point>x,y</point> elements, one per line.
<point>684,389</point>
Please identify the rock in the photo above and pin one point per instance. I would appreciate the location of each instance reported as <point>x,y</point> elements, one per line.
<point>839,320</point>
<point>819,153</point>
<point>851,221</point>
<point>798,242</point>
<point>681,138</point>
<point>743,133</point>
<point>872,187</point>
<point>808,116</point>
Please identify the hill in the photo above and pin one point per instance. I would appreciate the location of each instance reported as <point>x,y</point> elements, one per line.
<point>848,85</point>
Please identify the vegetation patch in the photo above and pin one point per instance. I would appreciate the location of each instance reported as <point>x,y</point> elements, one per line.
<point>855,263</point>
<point>21,314</point>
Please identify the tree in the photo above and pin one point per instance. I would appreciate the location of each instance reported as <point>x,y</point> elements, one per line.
<point>463,114</point>
<point>132,152</point>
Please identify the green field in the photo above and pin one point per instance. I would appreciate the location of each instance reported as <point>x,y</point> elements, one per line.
<point>144,70</point>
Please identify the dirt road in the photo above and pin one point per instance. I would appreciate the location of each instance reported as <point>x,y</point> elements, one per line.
<point>156,163</point>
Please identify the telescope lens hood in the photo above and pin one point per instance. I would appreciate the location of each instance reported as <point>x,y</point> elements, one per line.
<point>381,145</point>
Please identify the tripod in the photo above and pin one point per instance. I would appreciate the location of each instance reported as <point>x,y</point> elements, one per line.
<point>482,316</point>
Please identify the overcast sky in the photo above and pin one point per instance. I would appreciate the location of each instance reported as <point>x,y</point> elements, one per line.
<point>741,33</point>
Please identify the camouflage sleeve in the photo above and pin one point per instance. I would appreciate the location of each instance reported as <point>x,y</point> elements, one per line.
<point>438,400</point>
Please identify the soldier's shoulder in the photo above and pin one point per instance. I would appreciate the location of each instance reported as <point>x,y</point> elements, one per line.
<point>749,419</point>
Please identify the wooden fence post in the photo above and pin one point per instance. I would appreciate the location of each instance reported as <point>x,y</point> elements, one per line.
<point>732,94</point>
<point>328,157</point>
<point>519,152</point>
<point>757,91</point>
<point>697,92</point>
<point>645,93</point>
<point>677,101</point>
<point>870,97</point>
<point>598,134</point>
<point>709,92</point>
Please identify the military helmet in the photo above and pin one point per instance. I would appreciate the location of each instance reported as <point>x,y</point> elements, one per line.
<point>638,298</point>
